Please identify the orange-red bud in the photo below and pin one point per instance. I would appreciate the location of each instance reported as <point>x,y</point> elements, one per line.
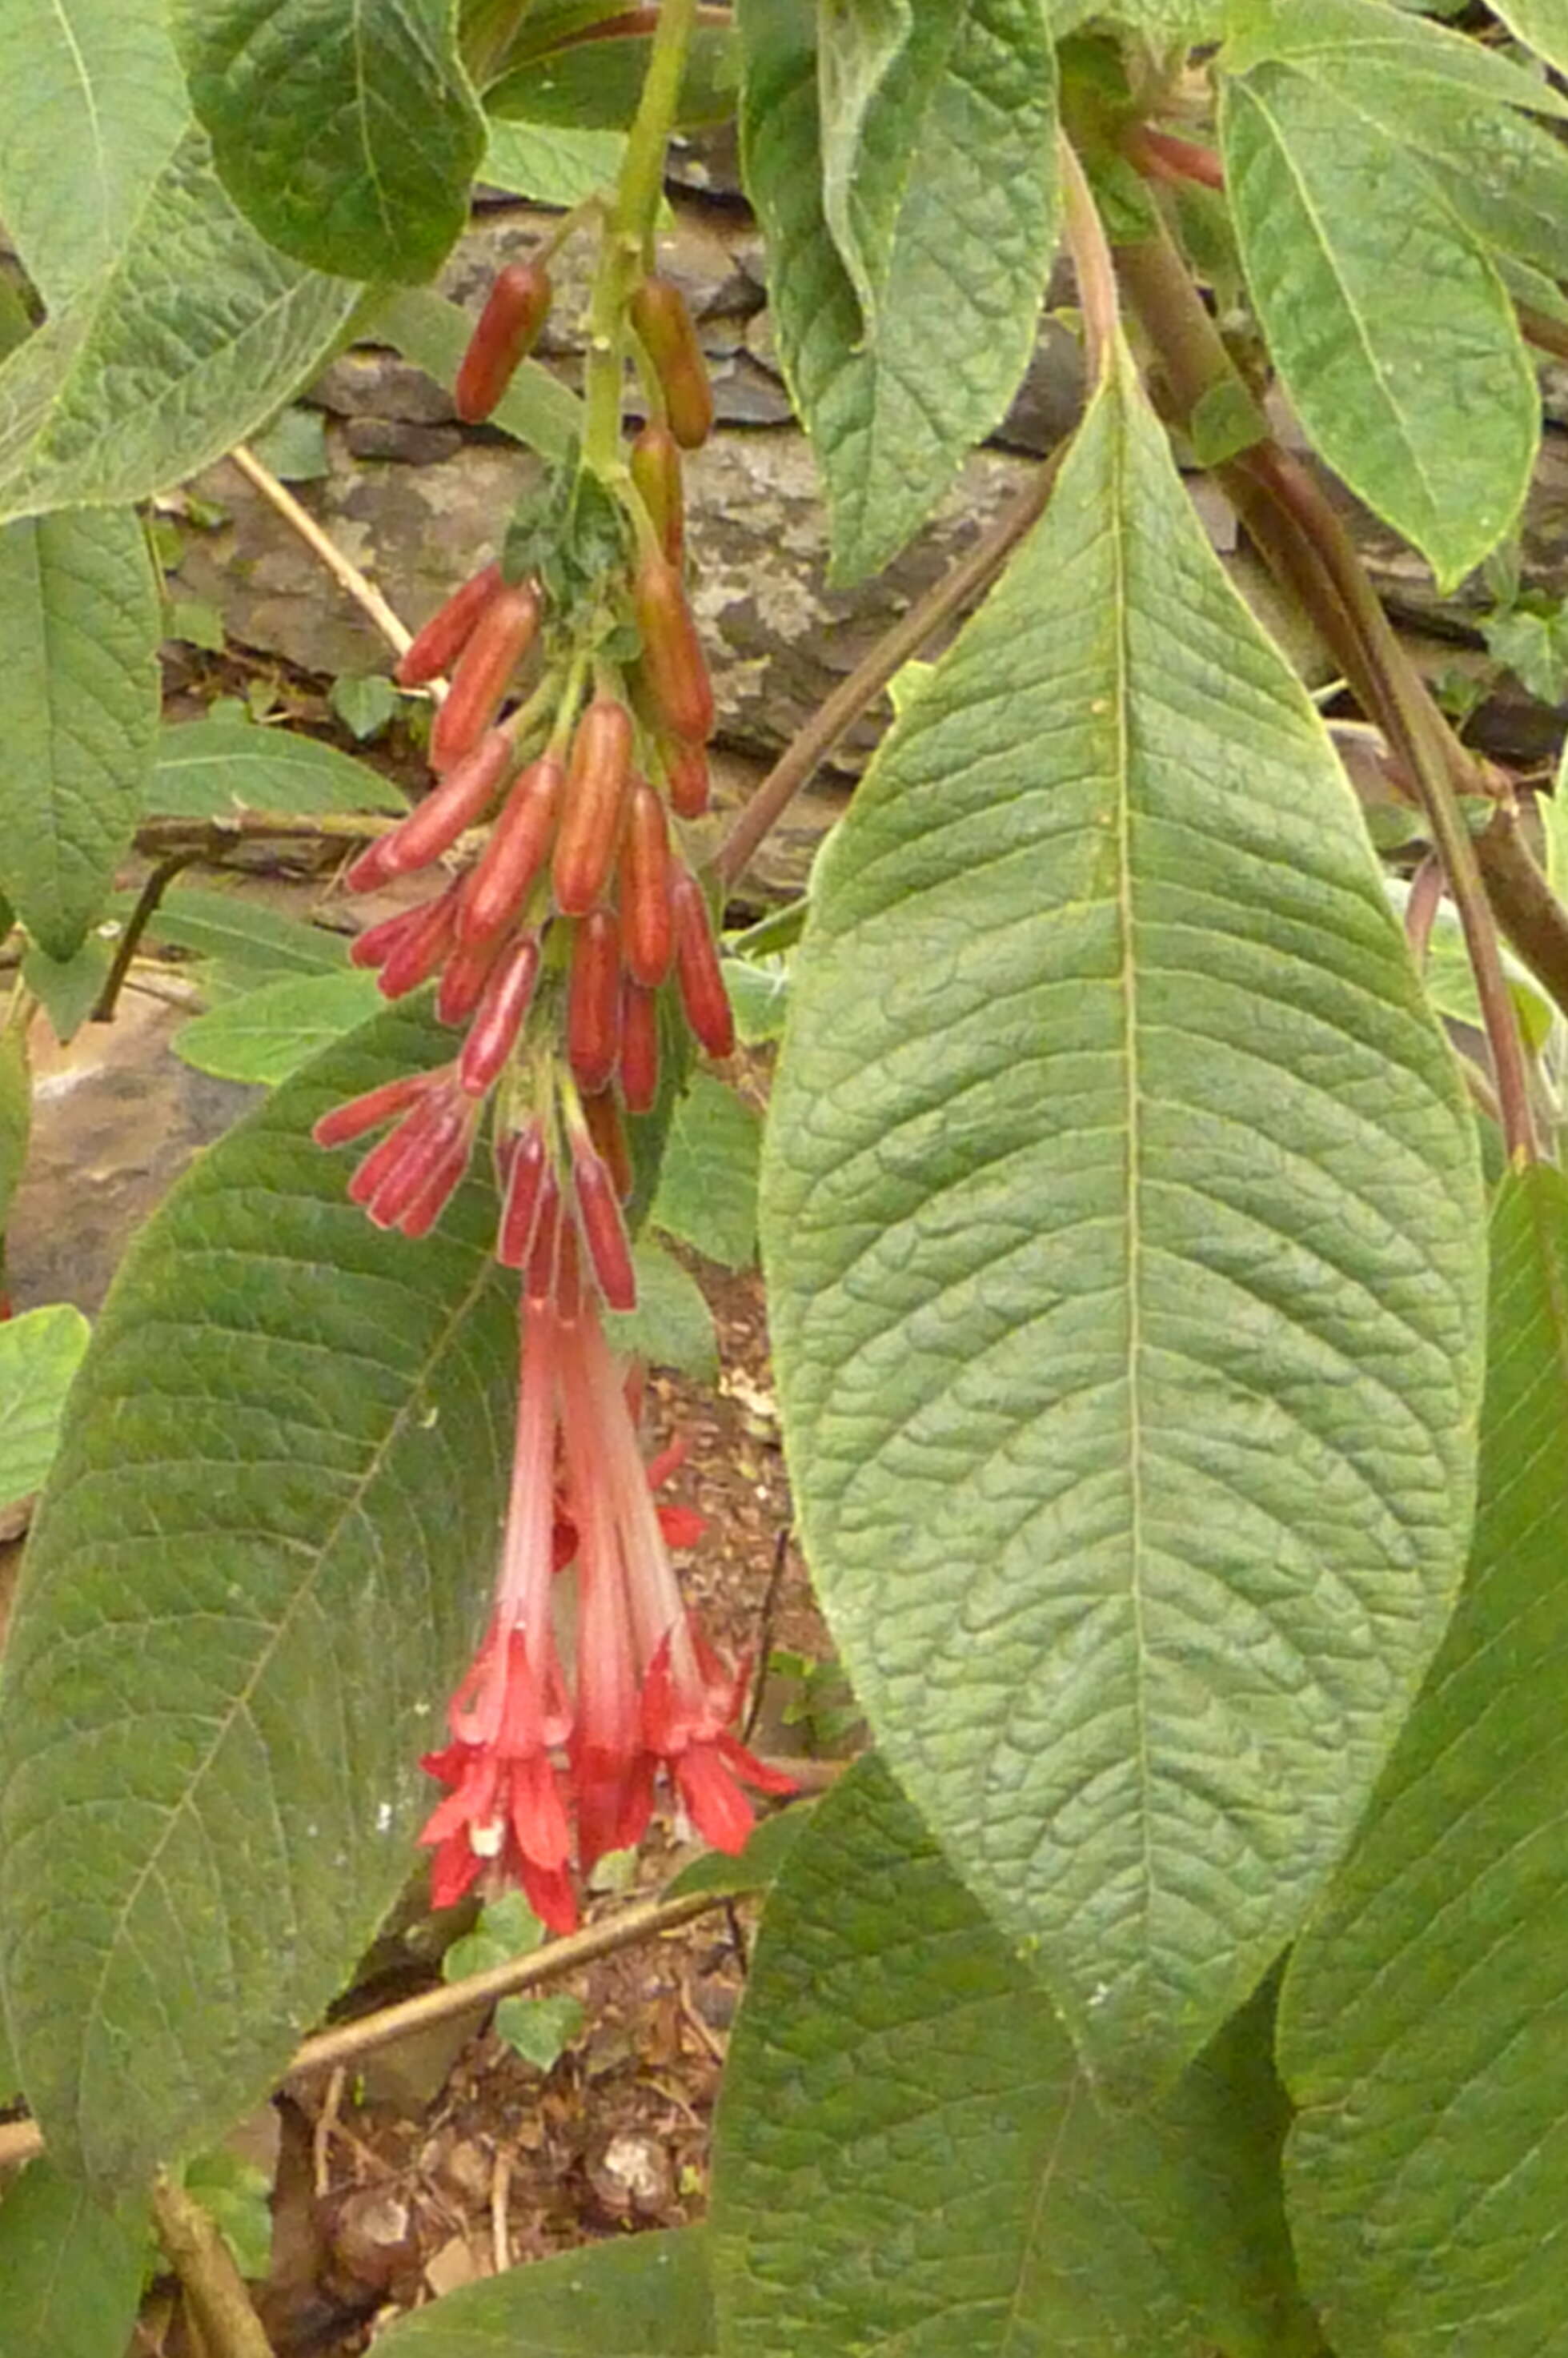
<point>702,991</point>
<point>463,794</point>
<point>506,331</point>
<point>593,1001</point>
<point>603,1229</point>
<point>672,669</point>
<point>591,807</point>
<point>493,1032</point>
<point>685,770</point>
<point>655,471</point>
<point>664,325</point>
<point>519,845</point>
<point>497,643</point>
<point>528,1171</point>
<point>639,1047</point>
<point>422,948</point>
<point>448,632</point>
<point>603,1118</point>
<point>647,927</point>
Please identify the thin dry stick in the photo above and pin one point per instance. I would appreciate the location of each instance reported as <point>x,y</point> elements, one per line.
<point>1092,265</point>
<point>833,718</point>
<point>344,571</point>
<point>211,2282</point>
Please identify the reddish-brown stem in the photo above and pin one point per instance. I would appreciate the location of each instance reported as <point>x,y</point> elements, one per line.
<point>1092,267</point>
<point>1159,156</point>
<point>1306,547</point>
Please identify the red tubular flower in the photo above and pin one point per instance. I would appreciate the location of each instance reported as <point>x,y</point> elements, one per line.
<point>509,1715</point>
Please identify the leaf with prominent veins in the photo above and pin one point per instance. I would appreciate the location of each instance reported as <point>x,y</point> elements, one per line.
<point>1122,1226</point>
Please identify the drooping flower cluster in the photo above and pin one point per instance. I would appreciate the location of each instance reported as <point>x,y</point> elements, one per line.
<point>547,1767</point>
<point>554,943</point>
<point>553,946</point>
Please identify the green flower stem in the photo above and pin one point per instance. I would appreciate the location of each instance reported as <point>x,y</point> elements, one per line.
<point>628,239</point>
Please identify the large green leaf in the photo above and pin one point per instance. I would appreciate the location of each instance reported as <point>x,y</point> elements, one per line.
<point>92,104</point>
<point>195,331</point>
<point>80,624</point>
<point>1444,99</point>
<point>210,769</point>
<point>347,130</point>
<point>71,2273</point>
<point>553,165</point>
<point>1391,330</point>
<point>908,2155</point>
<point>1125,1246</point>
<point>243,935</point>
<point>252,1579</point>
<point>644,2297</point>
<point>39,1354</point>
<point>1424,2029</point>
<point>941,183</point>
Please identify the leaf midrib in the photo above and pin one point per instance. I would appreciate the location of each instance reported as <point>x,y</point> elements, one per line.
<point>304,1592</point>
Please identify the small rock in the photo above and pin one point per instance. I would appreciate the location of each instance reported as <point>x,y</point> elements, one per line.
<point>374,383</point>
<point>632,2175</point>
<point>457,2263</point>
<point>467,2169</point>
<point>373,2238</point>
<point>392,438</point>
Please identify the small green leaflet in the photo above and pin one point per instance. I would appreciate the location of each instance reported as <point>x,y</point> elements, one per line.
<point>931,188</point>
<point>1125,1258</point>
<point>39,1354</point>
<point>92,105</point>
<point>255,1572</point>
<point>672,1326</point>
<point>908,2156</point>
<point>552,165</point>
<point>595,85</point>
<point>1392,334</point>
<point>153,370</point>
<point>78,712</point>
<point>346,130</point>
<point>708,1182</point>
<point>638,2297</point>
<point>211,769</point>
<point>265,1034</point>
<point>241,934</point>
<point>68,988</point>
<point>1424,2019</point>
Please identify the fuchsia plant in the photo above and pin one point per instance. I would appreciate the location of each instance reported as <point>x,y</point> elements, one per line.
<point>1164,1233</point>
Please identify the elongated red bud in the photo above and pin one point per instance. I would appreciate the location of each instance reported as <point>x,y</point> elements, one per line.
<point>686,771</point>
<point>519,845</point>
<point>603,1228</point>
<point>672,669</point>
<point>368,1112</point>
<point>374,1168</point>
<point>493,1032</point>
<point>639,1048</point>
<point>647,925</point>
<point>448,632</point>
<point>442,1139</point>
<point>529,1168</point>
<point>540,1281</point>
<point>465,974</point>
<point>603,1118</point>
<point>371,868</point>
<point>463,794</point>
<point>422,948</point>
<point>593,999</point>
<point>496,645</point>
<point>655,461</point>
<point>669,338</point>
<point>702,991</point>
<point>507,329</point>
<point>591,807</point>
<point>436,1193</point>
<point>376,944</point>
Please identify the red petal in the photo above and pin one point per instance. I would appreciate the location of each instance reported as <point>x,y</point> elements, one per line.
<point>714,1803</point>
